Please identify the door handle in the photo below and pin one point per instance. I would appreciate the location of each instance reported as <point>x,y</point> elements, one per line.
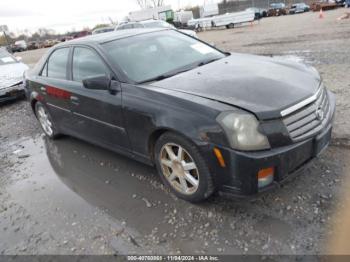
<point>74,99</point>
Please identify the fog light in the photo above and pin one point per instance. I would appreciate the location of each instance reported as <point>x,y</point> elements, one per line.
<point>265,176</point>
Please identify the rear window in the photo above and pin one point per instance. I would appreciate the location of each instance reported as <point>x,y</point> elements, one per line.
<point>57,64</point>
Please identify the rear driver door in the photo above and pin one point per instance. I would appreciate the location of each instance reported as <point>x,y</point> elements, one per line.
<point>54,89</point>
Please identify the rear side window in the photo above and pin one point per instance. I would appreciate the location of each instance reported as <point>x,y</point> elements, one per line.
<point>57,64</point>
<point>87,64</point>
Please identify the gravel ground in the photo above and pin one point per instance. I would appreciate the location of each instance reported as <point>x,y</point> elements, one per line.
<point>69,197</point>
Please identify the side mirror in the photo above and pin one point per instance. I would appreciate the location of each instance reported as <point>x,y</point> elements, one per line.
<point>97,83</point>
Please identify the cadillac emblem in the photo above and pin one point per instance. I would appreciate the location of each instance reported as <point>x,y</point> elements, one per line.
<point>319,114</point>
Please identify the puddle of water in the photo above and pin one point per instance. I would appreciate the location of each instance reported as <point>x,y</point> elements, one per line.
<point>67,170</point>
<point>68,181</point>
<point>79,180</point>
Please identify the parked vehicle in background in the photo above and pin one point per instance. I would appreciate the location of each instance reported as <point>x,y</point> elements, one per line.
<point>299,8</point>
<point>229,20</point>
<point>259,12</point>
<point>182,17</point>
<point>11,76</point>
<point>163,12</point>
<point>33,45</point>
<point>152,23</point>
<point>103,30</point>
<point>340,3</point>
<point>163,24</point>
<point>347,4</point>
<point>208,120</point>
<point>200,23</point>
<point>277,9</point>
<point>324,5</point>
<point>19,46</point>
<point>49,43</point>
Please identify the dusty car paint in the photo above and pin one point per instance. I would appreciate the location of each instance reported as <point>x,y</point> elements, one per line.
<point>255,83</point>
<point>130,120</point>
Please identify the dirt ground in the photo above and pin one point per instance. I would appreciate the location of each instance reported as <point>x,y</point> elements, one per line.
<point>70,197</point>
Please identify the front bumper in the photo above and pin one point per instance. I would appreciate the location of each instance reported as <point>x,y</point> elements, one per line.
<point>240,176</point>
<point>11,93</point>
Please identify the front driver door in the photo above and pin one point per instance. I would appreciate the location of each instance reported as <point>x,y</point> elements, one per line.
<point>97,113</point>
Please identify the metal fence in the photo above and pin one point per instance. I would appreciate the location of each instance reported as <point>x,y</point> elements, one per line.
<point>240,5</point>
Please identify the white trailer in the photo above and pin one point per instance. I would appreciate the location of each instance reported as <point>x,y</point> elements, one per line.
<point>228,20</point>
<point>200,23</point>
<point>231,19</point>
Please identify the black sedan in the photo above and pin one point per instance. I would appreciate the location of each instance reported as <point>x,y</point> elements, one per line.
<point>208,120</point>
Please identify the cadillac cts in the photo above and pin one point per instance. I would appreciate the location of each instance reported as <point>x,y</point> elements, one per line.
<point>208,120</point>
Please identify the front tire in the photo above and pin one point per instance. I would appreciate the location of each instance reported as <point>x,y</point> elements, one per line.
<point>182,168</point>
<point>45,120</point>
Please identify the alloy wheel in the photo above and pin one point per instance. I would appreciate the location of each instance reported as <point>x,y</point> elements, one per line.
<point>179,168</point>
<point>44,120</point>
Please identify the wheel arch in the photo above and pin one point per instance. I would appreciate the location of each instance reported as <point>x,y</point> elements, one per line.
<point>156,134</point>
<point>34,98</point>
<point>32,104</point>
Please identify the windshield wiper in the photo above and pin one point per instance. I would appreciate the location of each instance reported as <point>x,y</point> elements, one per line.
<point>157,78</point>
<point>161,77</point>
<point>172,73</point>
<point>207,61</point>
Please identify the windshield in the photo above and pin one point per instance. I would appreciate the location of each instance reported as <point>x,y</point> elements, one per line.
<point>6,58</point>
<point>151,55</point>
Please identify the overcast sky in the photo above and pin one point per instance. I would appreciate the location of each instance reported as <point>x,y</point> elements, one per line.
<point>64,15</point>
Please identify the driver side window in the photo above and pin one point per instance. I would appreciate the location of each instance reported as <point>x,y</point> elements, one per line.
<point>87,64</point>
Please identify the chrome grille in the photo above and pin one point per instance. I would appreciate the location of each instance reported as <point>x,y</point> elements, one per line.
<point>310,119</point>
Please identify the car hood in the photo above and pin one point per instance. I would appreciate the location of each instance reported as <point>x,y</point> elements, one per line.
<point>11,74</point>
<point>262,85</point>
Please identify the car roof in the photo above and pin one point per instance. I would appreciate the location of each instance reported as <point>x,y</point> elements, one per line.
<point>110,36</point>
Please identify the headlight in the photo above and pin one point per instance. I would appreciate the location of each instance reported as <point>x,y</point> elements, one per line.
<point>242,131</point>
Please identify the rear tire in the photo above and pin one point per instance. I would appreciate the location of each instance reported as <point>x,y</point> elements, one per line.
<point>231,25</point>
<point>182,168</point>
<point>45,120</point>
